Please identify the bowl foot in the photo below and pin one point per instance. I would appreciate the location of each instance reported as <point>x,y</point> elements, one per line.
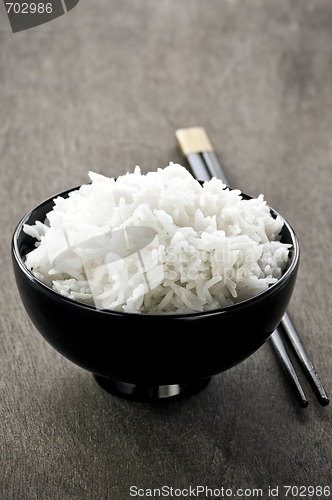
<point>151,393</point>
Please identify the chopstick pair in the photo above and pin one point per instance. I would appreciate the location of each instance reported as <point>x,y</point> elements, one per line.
<point>204,163</point>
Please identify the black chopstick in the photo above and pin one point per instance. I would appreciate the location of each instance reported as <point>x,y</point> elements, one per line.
<point>286,363</point>
<point>305,361</point>
<point>204,163</point>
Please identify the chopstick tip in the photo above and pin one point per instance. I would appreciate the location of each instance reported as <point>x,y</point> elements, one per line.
<point>324,401</point>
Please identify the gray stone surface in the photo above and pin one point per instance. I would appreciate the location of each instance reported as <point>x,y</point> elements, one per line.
<point>104,88</point>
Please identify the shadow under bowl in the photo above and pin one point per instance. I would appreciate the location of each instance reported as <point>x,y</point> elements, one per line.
<point>150,357</point>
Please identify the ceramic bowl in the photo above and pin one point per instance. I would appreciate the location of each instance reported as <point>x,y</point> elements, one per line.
<point>150,356</point>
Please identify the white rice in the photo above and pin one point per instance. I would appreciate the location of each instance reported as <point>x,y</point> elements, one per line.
<point>157,243</point>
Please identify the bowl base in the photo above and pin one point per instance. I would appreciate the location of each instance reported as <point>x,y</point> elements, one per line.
<point>151,393</point>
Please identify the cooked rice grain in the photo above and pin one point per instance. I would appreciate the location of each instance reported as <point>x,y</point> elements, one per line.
<point>157,243</point>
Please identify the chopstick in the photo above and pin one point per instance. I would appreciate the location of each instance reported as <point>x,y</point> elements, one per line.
<point>290,372</point>
<point>204,163</point>
<point>305,361</point>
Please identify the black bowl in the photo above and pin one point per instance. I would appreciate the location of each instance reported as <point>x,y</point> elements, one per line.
<point>150,356</point>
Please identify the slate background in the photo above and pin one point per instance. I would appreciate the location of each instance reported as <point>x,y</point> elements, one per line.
<point>104,88</point>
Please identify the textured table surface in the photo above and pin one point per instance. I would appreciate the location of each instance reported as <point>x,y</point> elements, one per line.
<point>104,88</point>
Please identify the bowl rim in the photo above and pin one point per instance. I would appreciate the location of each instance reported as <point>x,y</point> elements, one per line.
<point>292,266</point>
